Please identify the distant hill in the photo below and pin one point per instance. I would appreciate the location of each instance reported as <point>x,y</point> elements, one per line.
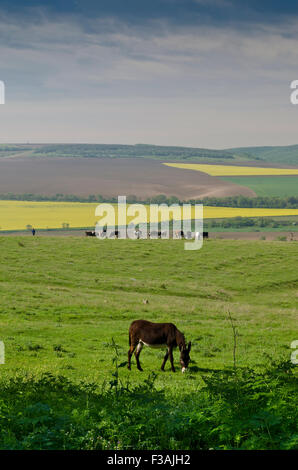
<point>283,155</point>
<point>138,150</point>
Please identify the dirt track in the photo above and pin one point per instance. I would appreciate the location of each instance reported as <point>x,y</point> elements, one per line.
<point>269,236</point>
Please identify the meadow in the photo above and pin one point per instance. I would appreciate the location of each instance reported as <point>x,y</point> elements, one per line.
<point>17,215</point>
<point>278,186</point>
<point>66,306</point>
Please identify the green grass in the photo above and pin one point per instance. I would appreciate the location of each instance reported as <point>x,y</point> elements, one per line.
<point>64,299</point>
<point>279,186</point>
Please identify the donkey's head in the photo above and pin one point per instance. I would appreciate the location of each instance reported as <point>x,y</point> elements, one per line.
<point>184,356</point>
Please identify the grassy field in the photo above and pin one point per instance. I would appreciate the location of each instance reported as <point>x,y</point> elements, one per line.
<point>279,186</point>
<point>64,384</point>
<point>16,215</point>
<point>230,170</point>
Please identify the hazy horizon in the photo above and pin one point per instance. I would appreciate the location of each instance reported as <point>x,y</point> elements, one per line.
<point>142,143</point>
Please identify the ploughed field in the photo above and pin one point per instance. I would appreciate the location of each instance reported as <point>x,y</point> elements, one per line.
<point>66,301</point>
<point>109,177</point>
<point>142,177</point>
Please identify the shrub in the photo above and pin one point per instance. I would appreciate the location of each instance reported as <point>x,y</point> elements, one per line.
<point>235,409</point>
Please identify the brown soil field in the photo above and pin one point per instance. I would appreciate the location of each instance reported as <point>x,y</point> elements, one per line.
<point>109,177</point>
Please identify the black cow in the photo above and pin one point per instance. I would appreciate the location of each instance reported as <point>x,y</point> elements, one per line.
<point>155,234</point>
<point>115,234</point>
<point>90,234</point>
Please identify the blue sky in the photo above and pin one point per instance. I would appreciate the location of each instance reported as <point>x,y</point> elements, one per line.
<point>206,73</point>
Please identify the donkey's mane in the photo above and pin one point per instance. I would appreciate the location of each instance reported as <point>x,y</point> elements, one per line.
<point>180,338</point>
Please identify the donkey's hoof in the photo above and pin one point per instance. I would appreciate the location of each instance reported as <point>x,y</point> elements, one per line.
<point>140,369</point>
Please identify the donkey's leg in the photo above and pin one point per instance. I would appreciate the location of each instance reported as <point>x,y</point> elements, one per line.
<point>130,353</point>
<point>171,358</point>
<point>137,354</point>
<point>165,360</point>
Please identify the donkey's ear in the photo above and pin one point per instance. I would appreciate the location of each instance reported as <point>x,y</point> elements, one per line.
<point>189,346</point>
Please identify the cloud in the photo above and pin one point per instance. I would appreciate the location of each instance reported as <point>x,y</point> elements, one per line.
<point>77,75</point>
<point>63,55</point>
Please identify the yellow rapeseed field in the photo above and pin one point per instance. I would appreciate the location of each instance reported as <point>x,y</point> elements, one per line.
<point>16,215</point>
<point>229,170</point>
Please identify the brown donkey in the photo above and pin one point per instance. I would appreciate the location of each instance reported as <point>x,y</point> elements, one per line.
<point>157,335</point>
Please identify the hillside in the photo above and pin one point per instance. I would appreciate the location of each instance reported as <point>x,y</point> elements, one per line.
<point>67,304</point>
<point>282,155</point>
<point>138,150</point>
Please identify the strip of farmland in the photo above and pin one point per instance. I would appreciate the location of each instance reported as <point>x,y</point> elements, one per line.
<point>17,215</point>
<point>231,170</point>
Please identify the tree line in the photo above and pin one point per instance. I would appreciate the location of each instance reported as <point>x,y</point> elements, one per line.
<point>240,222</point>
<point>126,151</point>
<point>231,201</point>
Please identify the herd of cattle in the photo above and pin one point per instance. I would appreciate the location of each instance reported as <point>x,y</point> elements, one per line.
<point>153,234</point>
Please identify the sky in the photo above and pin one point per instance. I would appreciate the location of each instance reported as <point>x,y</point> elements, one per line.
<point>197,73</point>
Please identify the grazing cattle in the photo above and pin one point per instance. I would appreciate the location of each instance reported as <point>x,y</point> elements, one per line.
<point>179,234</point>
<point>155,234</point>
<point>115,234</point>
<point>198,235</point>
<point>157,335</point>
<point>90,234</point>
